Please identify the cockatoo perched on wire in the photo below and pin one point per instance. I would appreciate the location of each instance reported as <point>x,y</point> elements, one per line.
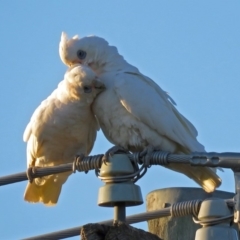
<point>62,127</point>
<point>134,112</point>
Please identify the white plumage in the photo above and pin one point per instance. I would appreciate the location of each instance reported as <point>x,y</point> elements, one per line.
<point>134,112</point>
<point>62,127</point>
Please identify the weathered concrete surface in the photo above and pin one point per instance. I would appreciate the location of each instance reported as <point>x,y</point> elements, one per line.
<point>121,232</point>
<point>178,228</point>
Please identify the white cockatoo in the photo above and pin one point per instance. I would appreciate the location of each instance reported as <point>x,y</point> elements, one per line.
<point>62,127</point>
<point>134,112</point>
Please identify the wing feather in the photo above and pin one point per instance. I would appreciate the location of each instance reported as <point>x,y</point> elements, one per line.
<point>150,104</point>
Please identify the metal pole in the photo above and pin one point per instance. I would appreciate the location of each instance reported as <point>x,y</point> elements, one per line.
<point>120,212</point>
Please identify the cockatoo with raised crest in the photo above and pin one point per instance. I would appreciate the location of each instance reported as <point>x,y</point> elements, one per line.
<point>62,127</point>
<point>134,112</point>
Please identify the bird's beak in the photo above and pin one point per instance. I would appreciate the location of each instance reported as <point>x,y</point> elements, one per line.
<point>98,85</point>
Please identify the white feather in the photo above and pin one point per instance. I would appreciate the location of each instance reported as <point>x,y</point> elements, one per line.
<point>134,112</point>
<point>62,127</point>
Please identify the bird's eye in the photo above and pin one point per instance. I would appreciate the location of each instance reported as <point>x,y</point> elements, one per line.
<point>87,89</point>
<point>81,54</point>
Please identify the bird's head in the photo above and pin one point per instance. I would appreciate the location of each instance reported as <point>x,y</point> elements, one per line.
<point>83,83</point>
<point>92,51</point>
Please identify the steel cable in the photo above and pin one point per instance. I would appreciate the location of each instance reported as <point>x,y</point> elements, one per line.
<point>226,160</point>
<point>177,209</point>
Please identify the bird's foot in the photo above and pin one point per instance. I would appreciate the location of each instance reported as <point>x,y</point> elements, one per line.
<point>146,154</point>
<point>30,172</point>
<point>113,150</point>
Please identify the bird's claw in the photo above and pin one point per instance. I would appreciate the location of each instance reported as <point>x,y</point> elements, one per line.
<point>104,159</point>
<point>110,152</point>
<point>30,172</point>
<point>146,154</point>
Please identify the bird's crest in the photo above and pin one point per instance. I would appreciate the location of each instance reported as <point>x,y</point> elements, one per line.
<point>64,37</point>
<point>63,46</point>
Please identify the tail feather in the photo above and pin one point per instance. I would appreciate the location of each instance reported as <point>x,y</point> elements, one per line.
<point>47,192</point>
<point>204,176</point>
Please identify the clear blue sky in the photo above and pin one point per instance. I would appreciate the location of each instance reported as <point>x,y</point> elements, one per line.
<point>190,48</point>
